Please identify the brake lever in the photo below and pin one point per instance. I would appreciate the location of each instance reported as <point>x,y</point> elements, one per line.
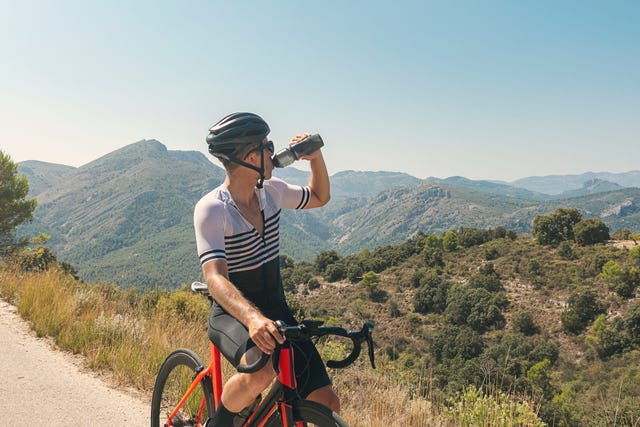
<point>369,338</point>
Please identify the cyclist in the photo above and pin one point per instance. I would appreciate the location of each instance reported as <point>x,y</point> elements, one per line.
<point>237,239</point>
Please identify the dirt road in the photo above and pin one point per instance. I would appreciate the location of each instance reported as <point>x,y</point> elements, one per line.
<point>42,386</point>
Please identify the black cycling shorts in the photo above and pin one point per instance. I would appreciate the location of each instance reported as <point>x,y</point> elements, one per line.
<point>232,339</point>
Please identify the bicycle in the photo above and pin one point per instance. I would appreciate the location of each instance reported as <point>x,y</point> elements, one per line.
<point>186,392</point>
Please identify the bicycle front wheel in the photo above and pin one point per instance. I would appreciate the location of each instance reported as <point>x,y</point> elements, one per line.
<point>309,414</point>
<point>174,378</point>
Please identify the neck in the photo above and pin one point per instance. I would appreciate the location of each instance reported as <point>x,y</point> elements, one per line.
<point>242,188</point>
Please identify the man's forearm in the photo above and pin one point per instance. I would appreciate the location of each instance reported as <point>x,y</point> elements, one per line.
<point>231,299</point>
<point>319,182</point>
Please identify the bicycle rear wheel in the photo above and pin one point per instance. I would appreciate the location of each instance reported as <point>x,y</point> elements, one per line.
<point>309,414</point>
<point>174,378</point>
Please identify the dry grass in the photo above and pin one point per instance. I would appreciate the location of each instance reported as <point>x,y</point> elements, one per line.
<point>127,335</point>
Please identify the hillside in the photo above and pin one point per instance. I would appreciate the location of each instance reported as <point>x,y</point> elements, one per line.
<point>350,184</point>
<point>395,215</point>
<point>127,216</point>
<point>557,184</point>
<point>532,320</point>
<point>42,175</point>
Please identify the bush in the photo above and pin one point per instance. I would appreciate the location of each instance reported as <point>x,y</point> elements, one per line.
<point>523,322</point>
<point>566,251</point>
<point>468,237</point>
<point>591,231</point>
<point>335,272</point>
<point>556,227</point>
<point>632,324</point>
<point>583,308</point>
<point>622,281</point>
<point>325,259</point>
<point>313,283</point>
<point>450,241</point>
<point>456,341</point>
<point>433,257</point>
<point>490,283</point>
<point>472,407</point>
<point>432,295</point>
<point>475,307</point>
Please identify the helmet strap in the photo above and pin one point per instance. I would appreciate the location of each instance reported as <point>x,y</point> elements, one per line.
<point>260,170</point>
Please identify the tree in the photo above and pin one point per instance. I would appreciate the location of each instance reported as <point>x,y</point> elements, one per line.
<point>14,207</point>
<point>325,259</point>
<point>432,295</point>
<point>591,231</point>
<point>523,322</point>
<point>370,282</point>
<point>450,241</point>
<point>556,227</point>
<point>583,308</point>
<point>622,281</point>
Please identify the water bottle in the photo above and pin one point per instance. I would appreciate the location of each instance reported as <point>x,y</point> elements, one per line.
<point>286,156</point>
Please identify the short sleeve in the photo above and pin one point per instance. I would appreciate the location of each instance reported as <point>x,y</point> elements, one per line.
<point>290,196</point>
<point>209,224</point>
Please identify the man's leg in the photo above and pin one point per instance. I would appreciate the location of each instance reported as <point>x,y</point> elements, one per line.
<point>327,396</point>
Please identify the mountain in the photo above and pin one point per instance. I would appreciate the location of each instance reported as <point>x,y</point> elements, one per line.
<point>556,184</point>
<point>126,217</point>
<point>592,186</point>
<point>348,184</point>
<point>503,189</point>
<point>395,215</point>
<point>42,175</point>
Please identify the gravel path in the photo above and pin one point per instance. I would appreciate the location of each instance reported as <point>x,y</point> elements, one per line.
<point>42,386</point>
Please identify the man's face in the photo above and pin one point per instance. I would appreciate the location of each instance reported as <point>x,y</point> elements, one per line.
<point>253,156</point>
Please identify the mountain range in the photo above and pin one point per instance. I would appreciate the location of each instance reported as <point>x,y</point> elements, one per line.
<point>126,217</point>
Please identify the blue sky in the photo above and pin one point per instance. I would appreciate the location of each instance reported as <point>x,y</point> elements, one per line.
<point>483,89</point>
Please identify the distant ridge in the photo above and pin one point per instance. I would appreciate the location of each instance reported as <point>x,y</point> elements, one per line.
<point>126,217</point>
<point>557,184</point>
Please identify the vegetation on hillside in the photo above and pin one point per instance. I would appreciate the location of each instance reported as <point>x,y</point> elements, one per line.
<point>551,319</point>
<point>126,217</point>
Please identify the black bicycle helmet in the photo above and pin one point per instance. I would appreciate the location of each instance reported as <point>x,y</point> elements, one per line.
<point>235,131</point>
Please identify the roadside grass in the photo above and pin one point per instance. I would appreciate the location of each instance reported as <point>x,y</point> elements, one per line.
<point>127,334</point>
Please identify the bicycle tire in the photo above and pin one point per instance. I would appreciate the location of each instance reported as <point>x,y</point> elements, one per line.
<point>310,413</point>
<point>174,378</point>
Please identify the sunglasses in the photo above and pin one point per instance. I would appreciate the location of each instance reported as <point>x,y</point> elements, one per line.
<point>264,146</point>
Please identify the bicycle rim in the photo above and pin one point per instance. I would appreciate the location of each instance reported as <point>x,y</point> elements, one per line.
<point>174,378</point>
<point>309,414</point>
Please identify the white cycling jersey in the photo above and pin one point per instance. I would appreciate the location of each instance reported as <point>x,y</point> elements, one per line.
<point>222,233</point>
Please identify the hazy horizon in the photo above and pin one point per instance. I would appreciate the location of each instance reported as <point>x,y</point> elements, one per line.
<point>300,167</point>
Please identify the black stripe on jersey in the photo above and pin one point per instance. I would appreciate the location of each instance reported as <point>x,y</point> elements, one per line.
<point>212,254</point>
<point>253,254</point>
<point>237,250</point>
<point>248,264</point>
<point>306,195</point>
<point>240,237</point>
<point>273,220</point>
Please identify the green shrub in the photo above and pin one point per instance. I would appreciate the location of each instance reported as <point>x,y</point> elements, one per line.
<point>591,231</point>
<point>556,227</point>
<point>475,307</point>
<point>582,309</point>
<point>523,323</point>
<point>472,407</point>
<point>432,295</point>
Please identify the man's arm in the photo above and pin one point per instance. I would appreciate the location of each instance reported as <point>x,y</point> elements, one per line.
<point>319,179</point>
<point>262,330</point>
